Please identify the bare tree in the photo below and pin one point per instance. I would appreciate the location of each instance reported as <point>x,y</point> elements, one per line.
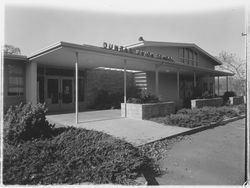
<point>10,49</point>
<point>237,66</point>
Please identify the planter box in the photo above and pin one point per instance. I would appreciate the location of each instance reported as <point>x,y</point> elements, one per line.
<point>237,100</point>
<point>146,111</point>
<point>199,103</point>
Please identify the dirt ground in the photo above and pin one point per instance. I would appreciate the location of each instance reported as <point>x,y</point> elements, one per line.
<point>211,157</point>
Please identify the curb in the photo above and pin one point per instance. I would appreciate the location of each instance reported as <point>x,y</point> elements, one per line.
<point>199,129</point>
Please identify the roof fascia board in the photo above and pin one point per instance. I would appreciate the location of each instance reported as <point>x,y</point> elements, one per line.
<point>15,57</point>
<point>90,48</point>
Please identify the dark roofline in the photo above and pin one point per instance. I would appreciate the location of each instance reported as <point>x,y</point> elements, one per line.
<point>15,57</point>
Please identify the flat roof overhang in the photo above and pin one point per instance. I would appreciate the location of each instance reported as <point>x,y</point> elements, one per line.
<point>63,54</point>
<point>15,57</point>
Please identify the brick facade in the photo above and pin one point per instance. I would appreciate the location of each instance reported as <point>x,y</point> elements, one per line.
<point>199,103</point>
<point>236,100</point>
<point>146,111</point>
<point>109,80</point>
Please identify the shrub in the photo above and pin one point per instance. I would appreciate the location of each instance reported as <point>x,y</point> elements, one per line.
<point>226,96</point>
<point>145,97</point>
<point>26,122</point>
<point>134,101</point>
<point>74,156</point>
<point>241,108</point>
<point>227,111</point>
<point>200,116</point>
<point>183,120</point>
<point>194,117</point>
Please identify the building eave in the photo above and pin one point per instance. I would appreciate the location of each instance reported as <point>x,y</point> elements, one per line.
<point>15,57</point>
<point>98,50</point>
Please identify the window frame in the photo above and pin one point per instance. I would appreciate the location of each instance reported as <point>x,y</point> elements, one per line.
<point>15,75</point>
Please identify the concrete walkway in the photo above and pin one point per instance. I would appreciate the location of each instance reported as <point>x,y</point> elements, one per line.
<point>137,132</point>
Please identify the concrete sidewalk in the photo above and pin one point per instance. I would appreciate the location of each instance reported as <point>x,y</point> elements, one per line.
<point>137,132</point>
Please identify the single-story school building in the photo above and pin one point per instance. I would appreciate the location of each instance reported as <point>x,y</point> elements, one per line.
<point>171,71</point>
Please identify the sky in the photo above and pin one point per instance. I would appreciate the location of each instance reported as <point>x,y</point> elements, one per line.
<point>214,25</point>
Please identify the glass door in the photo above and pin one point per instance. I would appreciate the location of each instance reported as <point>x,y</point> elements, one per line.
<point>66,98</point>
<point>52,93</point>
<point>59,93</point>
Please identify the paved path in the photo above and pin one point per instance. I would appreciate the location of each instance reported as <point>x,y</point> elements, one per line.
<point>211,157</point>
<point>137,132</point>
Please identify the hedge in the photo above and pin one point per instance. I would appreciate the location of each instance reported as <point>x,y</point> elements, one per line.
<point>200,116</point>
<point>74,156</point>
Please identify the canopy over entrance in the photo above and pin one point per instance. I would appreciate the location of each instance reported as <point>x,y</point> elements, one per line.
<point>65,54</point>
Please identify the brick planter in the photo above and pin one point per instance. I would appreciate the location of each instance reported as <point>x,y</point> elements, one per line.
<point>199,103</point>
<point>236,100</point>
<point>146,111</point>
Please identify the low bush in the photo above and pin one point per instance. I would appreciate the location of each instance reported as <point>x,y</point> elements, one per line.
<point>228,111</point>
<point>26,122</point>
<point>144,97</point>
<point>134,101</point>
<point>183,120</point>
<point>242,108</point>
<point>200,116</point>
<point>74,156</point>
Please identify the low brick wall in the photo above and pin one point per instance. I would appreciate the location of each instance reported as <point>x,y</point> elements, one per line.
<point>236,100</point>
<point>199,103</point>
<point>146,111</point>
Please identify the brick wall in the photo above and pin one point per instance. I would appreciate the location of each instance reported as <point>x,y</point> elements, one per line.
<point>109,80</point>
<point>199,103</point>
<point>236,100</point>
<point>146,111</point>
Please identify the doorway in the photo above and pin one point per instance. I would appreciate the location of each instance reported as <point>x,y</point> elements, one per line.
<point>59,93</point>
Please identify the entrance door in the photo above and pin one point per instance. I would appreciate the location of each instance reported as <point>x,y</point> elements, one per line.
<point>59,94</point>
<point>66,102</point>
<point>52,93</point>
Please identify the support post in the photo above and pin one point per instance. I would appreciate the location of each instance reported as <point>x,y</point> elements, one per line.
<point>178,86</point>
<point>125,87</point>
<point>156,81</point>
<point>76,90</point>
<point>218,85</point>
<point>227,83</point>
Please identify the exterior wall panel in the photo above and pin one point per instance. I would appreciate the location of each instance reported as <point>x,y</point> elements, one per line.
<point>203,61</point>
<point>167,85</point>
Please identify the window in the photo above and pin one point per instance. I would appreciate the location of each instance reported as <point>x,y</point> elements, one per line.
<point>15,80</point>
<point>196,59</point>
<point>181,55</point>
<point>188,56</point>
